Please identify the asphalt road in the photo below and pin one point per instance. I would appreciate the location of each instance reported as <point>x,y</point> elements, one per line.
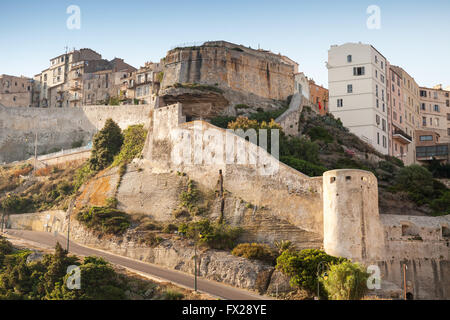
<point>176,277</point>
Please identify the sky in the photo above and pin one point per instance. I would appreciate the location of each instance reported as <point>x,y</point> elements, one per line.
<point>412,34</point>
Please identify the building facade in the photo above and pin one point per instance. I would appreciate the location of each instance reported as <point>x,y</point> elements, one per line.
<point>358,91</point>
<point>399,141</point>
<point>318,96</point>
<point>16,91</point>
<point>434,107</point>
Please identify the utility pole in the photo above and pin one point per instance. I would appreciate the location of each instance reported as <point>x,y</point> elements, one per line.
<point>404,280</point>
<point>35,153</point>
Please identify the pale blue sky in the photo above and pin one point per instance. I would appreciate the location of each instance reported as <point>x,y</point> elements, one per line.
<point>414,34</point>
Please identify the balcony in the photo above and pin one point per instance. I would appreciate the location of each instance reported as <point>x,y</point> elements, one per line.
<point>75,87</point>
<point>74,99</point>
<point>401,136</point>
<point>439,152</point>
<point>77,75</point>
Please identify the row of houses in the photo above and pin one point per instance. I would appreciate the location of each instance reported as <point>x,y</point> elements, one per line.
<point>82,77</point>
<point>385,106</point>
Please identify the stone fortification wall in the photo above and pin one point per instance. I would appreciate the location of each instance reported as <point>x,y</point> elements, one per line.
<point>58,128</point>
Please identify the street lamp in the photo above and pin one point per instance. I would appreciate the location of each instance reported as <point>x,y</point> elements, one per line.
<point>198,236</point>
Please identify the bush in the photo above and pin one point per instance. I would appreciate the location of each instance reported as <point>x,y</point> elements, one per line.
<point>222,121</point>
<point>82,175</point>
<point>300,148</point>
<point>105,220</point>
<point>303,166</point>
<point>107,143</point>
<point>417,181</point>
<point>255,251</point>
<point>439,170</point>
<point>172,295</point>
<point>133,143</point>
<point>441,205</point>
<point>319,133</point>
<point>346,281</point>
<point>216,236</point>
<point>16,204</point>
<point>302,266</point>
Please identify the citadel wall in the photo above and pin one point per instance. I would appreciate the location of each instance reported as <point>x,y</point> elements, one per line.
<point>59,129</point>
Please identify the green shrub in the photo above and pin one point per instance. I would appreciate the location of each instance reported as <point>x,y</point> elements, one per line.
<point>82,175</point>
<point>216,236</point>
<point>267,116</point>
<point>439,170</point>
<point>302,266</point>
<point>303,166</point>
<point>222,121</point>
<point>112,203</point>
<point>346,281</point>
<point>105,220</point>
<point>300,148</point>
<point>133,143</point>
<point>241,106</point>
<point>172,295</point>
<point>255,251</point>
<point>417,181</point>
<point>441,205</point>
<point>107,143</point>
<point>77,144</point>
<point>17,204</point>
<point>319,133</point>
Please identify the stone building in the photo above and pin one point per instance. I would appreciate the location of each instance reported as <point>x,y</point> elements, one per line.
<point>302,85</point>
<point>399,140</point>
<point>434,107</point>
<point>147,82</point>
<point>410,112</point>
<point>16,91</point>
<point>97,87</point>
<point>318,96</point>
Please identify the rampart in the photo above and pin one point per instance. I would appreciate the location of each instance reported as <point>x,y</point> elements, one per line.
<point>58,129</point>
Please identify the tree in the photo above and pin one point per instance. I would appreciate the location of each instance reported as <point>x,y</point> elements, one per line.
<point>107,143</point>
<point>302,266</point>
<point>417,181</point>
<point>346,281</point>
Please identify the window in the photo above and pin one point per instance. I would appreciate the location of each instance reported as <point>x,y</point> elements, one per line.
<point>349,58</point>
<point>376,90</point>
<point>423,93</point>
<point>340,103</point>
<point>448,116</point>
<point>426,138</point>
<point>377,119</point>
<point>382,78</point>
<point>436,108</point>
<point>395,116</point>
<point>384,142</point>
<point>376,59</point>
<point>422,106</point>
<point>424,121</point>
<point>378,137</point>
<point>383,125</point>
<point>349,88</point>
<point>382,64</point>
<point>401,119</point>
<point>358,71</point>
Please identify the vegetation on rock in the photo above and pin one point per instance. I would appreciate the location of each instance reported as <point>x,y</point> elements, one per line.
<point>255,251</point>
<point>105,220</point>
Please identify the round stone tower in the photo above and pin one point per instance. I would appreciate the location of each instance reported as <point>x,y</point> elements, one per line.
<point>352,226</point>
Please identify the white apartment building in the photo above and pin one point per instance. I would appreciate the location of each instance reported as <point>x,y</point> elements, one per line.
<point>357,91</point>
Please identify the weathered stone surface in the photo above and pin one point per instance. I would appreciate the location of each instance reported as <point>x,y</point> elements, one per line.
<point>279,283</point>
